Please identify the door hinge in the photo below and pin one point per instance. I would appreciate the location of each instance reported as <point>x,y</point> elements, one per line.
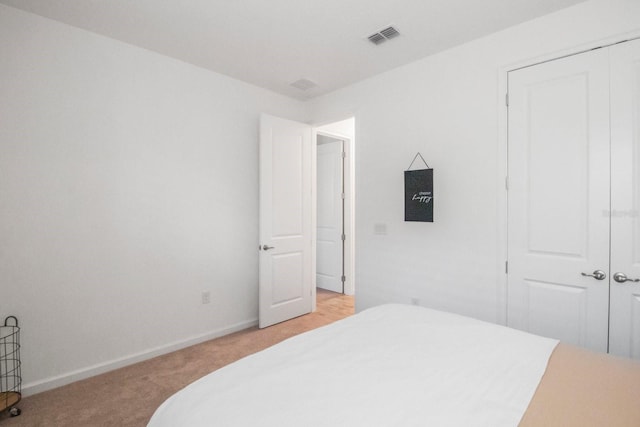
<point>506,99</point>
<point>343,196</point>
<point>506,183</point>
<point>343,278</point>
<point>344,237</point>
<point>344,155</point>
<point>506,267</point>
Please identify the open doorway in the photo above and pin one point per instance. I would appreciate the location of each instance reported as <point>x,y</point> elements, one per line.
<point>335,208</point>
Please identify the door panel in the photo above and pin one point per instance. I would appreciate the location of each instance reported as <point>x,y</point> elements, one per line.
<point>287,271</point>
<point>329,268</point>
<point>625,198</point>
<point>630,326</point>
<point>557,307</point>
<point>285,220</point>
<point>286,191</point>
<point>558,190</point>
<point>558,116</point>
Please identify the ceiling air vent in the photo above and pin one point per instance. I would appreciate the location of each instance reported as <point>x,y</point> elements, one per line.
<point>383,35</point>
<point>303,84</point>
<point>390,33</point>
<point>376,38</point>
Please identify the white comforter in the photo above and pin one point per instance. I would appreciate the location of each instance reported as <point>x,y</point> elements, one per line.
<point>392,365</point>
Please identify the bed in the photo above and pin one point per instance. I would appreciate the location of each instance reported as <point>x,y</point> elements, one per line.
<point>402,365</point>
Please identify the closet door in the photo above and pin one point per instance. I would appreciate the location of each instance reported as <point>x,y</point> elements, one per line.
<point>558,199</point>
<point>625,199</point>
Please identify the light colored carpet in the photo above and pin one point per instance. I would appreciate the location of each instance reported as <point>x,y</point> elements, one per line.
<point>128,397</point>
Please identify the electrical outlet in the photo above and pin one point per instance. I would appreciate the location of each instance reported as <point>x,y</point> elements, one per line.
<point>206,297</point>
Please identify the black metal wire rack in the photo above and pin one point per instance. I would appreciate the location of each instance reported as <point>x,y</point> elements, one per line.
<point>10,376</point>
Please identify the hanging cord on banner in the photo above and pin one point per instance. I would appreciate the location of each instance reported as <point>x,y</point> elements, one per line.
<point>414,159</point>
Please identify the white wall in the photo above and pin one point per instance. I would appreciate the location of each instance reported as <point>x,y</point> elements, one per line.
<point>449,108</point>
<point>128,185</point>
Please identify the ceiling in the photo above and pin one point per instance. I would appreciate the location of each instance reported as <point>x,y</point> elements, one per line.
<point>273,43</point>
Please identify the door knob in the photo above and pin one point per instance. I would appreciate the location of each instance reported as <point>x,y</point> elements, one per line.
<point>266,248</point>
<point>598,275</point>
<point>621,278</point>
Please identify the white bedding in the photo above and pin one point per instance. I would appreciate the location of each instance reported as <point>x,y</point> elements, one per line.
<point>392,365</point>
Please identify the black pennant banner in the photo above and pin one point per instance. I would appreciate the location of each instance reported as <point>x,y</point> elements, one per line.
<point>418,195</point>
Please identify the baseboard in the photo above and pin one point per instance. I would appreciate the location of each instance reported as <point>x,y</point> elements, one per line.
<point>80,374</point>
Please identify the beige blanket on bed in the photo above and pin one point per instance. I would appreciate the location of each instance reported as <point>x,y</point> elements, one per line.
<point>581,388</point>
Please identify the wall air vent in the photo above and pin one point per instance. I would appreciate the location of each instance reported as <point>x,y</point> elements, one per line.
<point>383,35</point>
<point>303,84</point>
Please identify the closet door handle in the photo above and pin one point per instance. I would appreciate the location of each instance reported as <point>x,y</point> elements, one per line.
<point>598,275</point>
<point>621,278</point>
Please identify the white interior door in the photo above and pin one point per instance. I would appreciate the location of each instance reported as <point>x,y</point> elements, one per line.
<point>558,160</point>
<point>625,199</point>
<point>330,230</point>
<point>286,233</point>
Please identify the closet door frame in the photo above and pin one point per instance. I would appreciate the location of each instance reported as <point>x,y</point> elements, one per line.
<point>501,182</point>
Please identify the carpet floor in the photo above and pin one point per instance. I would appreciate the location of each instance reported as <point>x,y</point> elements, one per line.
<point>127,397</point>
